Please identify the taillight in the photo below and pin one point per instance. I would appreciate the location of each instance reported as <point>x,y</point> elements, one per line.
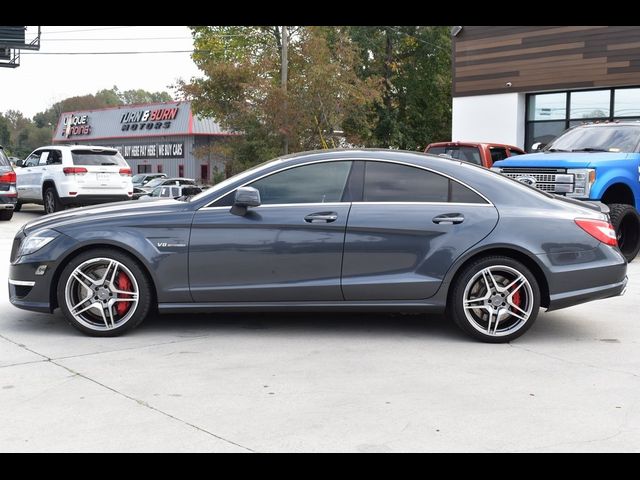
<point>599,229</point>
<point>74,170</point>
<point>9,177</point>
<point>125,172</point>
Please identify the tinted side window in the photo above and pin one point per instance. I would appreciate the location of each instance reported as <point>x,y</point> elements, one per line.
<point>462,194</point>
<point>54,158</point>
<point>498,153</point>
<point>316,183</point>
<point>390,182</point>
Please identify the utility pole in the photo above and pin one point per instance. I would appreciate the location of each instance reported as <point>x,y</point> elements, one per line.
<point>285,68</point>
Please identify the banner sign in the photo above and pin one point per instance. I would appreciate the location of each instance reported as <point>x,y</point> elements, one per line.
<point>152,150</point>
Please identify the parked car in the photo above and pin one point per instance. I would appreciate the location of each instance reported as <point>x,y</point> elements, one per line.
<point>479,153</point>
<point>60,176</point>
<point>598,162</point>
<point>370,230</point>
<point>142,179</point>
<point>158,182</point>
<point>172,191</point>
<point>8,192</point>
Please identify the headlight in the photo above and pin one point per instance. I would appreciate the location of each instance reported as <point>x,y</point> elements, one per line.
<point>583,179</point>
<point>36,241</point>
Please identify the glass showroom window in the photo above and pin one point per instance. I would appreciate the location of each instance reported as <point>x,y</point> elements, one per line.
<point>550,114</point>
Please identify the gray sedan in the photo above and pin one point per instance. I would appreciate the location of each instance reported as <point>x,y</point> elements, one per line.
<point>356,230</point>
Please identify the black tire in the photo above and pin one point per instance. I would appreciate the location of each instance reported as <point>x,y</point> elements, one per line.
<point>626,222</point>
<point>456,310</point>
<point>51,200</point>
<point>18,207</point>
<point>6,214</point>
<point>145,294</point>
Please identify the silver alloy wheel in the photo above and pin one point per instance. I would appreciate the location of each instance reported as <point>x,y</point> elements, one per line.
<point>49,201</point>
<point>92,293</point>
<point>498,300</point>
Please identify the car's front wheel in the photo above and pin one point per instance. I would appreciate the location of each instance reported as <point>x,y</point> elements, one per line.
<point>626,222</point>
<point>104,293</point>
<point>495,299</point>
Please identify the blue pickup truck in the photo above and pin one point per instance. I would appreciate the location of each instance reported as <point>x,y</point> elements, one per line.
<point>599,162</point>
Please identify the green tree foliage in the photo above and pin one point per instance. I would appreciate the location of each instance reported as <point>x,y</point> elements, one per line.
<point>20,135</point>
<point>414,64</point>
<point>242,89</point>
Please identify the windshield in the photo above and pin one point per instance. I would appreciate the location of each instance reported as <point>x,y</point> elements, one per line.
<point>155,182</point>
<point>138,178</point>
<point>100,157</point>
<point>618,138</point>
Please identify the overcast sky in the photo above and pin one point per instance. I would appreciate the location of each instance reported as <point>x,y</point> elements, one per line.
<point>41,80</point>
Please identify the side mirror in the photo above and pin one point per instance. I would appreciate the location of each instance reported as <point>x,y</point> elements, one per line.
<point>536,147</point>
<point>19,163</point>
<point>245,197</point>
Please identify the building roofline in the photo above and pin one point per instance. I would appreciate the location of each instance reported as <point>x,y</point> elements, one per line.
<point>128,105</point>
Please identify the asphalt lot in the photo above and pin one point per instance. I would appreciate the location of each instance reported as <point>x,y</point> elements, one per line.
<point>348,383</point>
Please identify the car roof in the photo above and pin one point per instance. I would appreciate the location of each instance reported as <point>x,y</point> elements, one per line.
<point>472,144</point>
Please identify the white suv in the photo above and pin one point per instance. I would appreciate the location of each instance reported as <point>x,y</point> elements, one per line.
<point>60,176</point>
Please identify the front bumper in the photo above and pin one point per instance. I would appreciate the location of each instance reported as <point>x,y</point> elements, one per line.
<point>28,290</point>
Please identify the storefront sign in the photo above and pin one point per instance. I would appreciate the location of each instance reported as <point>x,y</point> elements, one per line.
<point>74,125</point>
<point>152,150</point>
<point>148,119</point>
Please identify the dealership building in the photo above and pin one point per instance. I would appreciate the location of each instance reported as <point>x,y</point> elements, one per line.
<point>525,84</point>
<point>155,137</point>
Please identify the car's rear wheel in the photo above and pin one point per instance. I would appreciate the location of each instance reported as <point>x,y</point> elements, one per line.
<point>104,293</point>
<point>6,214</point>
<point>495,299</point>
<point>51,201</point>
<point>17,207</point>
<point>626,223</point>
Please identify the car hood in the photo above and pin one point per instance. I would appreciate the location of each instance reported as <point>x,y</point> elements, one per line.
<point>561,159</point>
<point>107,211</point>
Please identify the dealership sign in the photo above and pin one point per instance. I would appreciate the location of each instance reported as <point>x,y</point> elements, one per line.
<point>148,119</point>
<point>75,125</point>
<point>152,150</point>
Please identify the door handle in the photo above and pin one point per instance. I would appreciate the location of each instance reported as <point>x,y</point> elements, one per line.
<point>321,217</point>
<point>449,219</point>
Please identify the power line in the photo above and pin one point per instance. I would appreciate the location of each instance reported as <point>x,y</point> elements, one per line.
<point>110,53</point>
<point>113,39</point>
<point>54,32</point>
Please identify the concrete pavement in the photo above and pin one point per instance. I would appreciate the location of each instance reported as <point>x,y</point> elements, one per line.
<point>293,382</point>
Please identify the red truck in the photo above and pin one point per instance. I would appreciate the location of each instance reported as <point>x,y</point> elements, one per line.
<point>479,153</point>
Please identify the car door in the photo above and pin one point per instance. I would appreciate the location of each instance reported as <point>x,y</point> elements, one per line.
<point>25,178</point>
<point>287,249</point>
<point>409,228</point>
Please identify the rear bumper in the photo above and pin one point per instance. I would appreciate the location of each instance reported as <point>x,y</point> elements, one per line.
<point>93,199</point>
<point>7,202</point>
<point>585,276</point>
<point>569,299</point>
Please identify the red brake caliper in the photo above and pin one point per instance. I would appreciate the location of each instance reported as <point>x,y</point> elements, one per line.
<point>123,284</point>
<point>516,298</point>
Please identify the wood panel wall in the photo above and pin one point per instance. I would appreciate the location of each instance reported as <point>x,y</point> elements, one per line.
<point>544,58</point>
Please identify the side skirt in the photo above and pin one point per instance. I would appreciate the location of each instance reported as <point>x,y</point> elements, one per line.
<point>360,306</point>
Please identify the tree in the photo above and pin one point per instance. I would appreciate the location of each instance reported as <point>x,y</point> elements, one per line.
<point>242,88</point>
<point>415,65</point>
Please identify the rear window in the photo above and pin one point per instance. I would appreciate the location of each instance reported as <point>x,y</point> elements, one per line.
<point>93,158</point>
<point>468,154</point>
<point>4,161</point>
